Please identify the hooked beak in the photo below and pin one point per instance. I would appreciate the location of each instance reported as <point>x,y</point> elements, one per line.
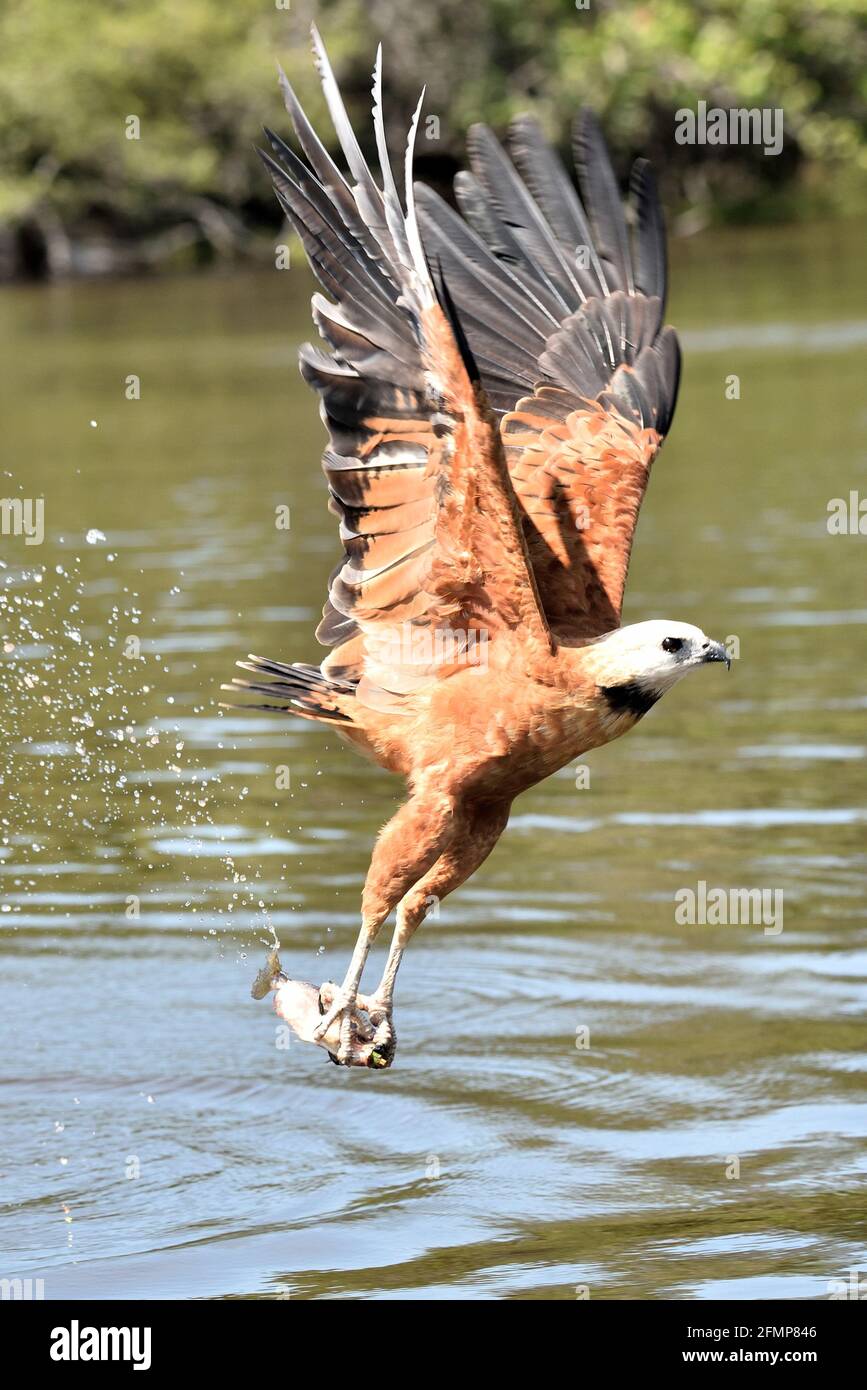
<point>715,651</point>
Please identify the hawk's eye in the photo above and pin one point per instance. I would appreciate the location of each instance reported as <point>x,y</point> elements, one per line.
<point>672,644</point>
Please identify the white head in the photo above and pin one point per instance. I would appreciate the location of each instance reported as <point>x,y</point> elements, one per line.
<point>644,660</point>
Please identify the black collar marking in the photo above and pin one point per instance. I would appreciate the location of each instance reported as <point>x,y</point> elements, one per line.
<point>630,698</point>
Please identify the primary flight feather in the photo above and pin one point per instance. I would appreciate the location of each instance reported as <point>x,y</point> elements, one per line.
<point>497,383</point>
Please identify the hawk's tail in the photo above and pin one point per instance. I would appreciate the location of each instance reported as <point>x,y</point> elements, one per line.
<point>295,689</point>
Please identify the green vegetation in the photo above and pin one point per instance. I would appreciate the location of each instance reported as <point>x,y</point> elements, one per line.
<point>77,194</point>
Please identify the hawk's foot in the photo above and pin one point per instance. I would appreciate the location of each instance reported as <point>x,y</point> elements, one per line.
<point>366,1033</point>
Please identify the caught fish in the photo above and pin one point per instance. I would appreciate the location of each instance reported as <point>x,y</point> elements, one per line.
<point>302,1006</point>
<point>268,976</point>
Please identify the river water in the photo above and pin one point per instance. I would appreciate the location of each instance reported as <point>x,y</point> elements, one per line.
<point>590,1098</point>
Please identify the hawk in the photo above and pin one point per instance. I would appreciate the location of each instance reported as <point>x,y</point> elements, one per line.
<point>496,383</point>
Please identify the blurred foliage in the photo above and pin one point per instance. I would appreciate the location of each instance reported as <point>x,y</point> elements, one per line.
<point>199,75</point>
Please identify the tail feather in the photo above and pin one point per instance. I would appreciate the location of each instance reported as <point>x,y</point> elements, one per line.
<point>294,689</point>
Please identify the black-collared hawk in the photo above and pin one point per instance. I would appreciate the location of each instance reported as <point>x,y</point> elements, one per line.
<point>496,382</point>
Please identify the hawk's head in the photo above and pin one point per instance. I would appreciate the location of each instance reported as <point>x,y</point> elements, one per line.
<point>633,666</point>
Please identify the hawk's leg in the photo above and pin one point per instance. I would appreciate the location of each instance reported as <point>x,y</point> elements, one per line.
<point>476,828</point>
<point>406,849</point>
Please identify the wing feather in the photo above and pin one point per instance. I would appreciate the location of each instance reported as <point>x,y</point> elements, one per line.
<point>574,357</point>
<point>416,468</point>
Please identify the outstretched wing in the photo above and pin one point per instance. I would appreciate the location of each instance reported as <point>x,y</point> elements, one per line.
<point>563,311</point>
<point>415,465</point>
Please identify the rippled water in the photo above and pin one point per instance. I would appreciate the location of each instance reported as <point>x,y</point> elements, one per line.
<point>708,1141</point>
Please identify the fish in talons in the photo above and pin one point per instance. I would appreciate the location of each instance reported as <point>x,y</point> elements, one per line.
<point>362,1037</point>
